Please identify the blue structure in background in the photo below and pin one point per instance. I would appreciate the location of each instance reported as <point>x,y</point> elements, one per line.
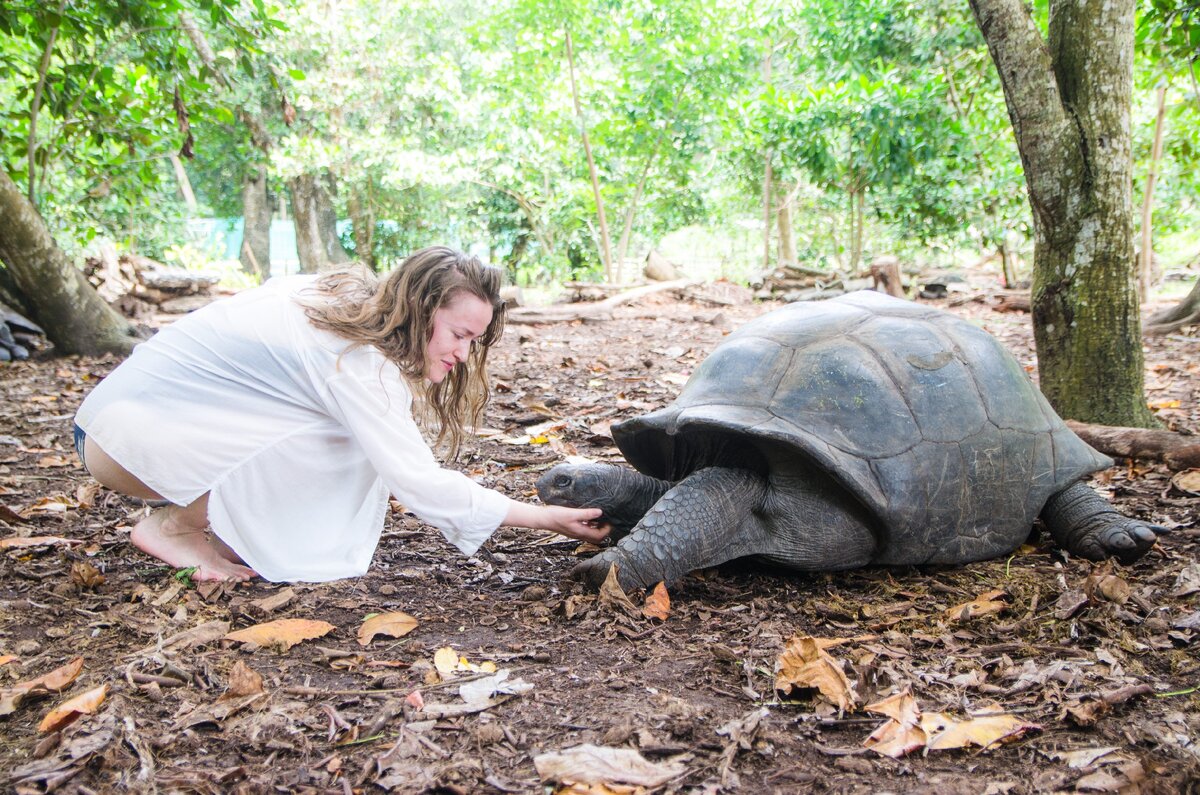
<point>221,238</point>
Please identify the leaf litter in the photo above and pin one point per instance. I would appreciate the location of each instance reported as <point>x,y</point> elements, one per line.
<point>1101,657</point>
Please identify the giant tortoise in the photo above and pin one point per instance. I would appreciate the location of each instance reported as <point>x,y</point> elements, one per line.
<point>860,430</point>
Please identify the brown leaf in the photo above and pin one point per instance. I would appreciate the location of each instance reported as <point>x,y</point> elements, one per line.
<point>14,542</point>
<point>283,633</point>
<point>394,625</point>
<point>1101,583</point>
<point>594,764</point>
<point>11,516</point>
<point>805,665</point>
<point>903,733</point>
<point>58,503</point>
<point>85,495</point>
<point>5,659</point>
<point>658,603</point>
<point>243,681</point>
<point>1187,481</point>
<point>269,604</point>
<point>50,461</point>
<point>612,595</point>
<point>988,603</point>
<point>67,712</point>
<point>86,576</point>
<point>53,682</point>
<point>984,731</point>
<point>1087,712</point>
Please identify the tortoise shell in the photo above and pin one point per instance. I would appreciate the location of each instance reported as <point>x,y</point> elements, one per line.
<point>922,417</point>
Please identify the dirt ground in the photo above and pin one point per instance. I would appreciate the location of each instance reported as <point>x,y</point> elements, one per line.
<point>1100,661</point>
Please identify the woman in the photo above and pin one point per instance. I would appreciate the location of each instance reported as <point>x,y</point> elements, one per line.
<point>282,418</point>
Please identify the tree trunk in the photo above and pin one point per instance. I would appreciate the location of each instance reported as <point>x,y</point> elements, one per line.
<point>605,245</point>
<point>787,237</point>
<point>75,317</point>
<point>1146,260</point>
<point>185,185</point>
<point>317,242</point>
<point>1069,102</point>
<point>363,221</point>
<point>255,254</point>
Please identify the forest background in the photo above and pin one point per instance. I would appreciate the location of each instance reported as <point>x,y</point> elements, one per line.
<point>564,140</point>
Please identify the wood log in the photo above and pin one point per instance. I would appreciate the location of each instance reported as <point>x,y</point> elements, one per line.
<point>599,310</point>
<point>1012,302</point>
<point>885,273</point>
<point>1144,444</point>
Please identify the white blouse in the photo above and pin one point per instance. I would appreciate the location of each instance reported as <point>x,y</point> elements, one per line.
<point>298,440</point>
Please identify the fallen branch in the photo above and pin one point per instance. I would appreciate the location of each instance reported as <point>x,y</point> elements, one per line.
<point>1176,451</point>
<point>600,310</point>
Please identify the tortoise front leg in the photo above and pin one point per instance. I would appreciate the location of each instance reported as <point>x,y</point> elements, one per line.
<point>1085,524</point>
<point>704,520</point>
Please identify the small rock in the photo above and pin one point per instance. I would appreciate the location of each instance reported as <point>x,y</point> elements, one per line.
<point>57,632</point>
<point>534,593</point>
<point>28,648</point>
<point>387,589</point>
<point>489,734</point>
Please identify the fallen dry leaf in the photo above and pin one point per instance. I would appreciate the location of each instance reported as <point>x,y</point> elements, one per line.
<point>805,665</point>
<point>394,625</point>
<point>85,495</point>
<point>67,712</point>
<point>658,603</point>
<point>447,661</point>
<point>612,595</point>
<point>283,633</point>
<point>86,576</point>
<point>909,729</point>
<point>54,682</point>
<point>5,659</point>
<point>985,604</point>
<point>479,691</point>
<point>11,516</point>
<point>51,461</point>
<point>1187,481</point>
<point>1101,583</point>
<point>594,764</point>
<point>243,681</point>
<point>14,542</point>
<point>59,503</point>
<point>903,733</point>
<point>984,731</point>
<point>415,700</point>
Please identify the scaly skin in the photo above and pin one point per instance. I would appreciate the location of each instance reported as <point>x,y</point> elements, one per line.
<point>705,520</point>
<point>1084,524</point>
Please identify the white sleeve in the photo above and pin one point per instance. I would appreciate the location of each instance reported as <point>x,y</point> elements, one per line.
<point>369,398</point>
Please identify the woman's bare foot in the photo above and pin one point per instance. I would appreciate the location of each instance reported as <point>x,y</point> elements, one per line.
<point>171,535</point>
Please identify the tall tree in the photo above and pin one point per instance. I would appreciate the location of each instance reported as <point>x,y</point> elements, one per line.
<point>75,317</point>
<point>95,98</point>
<point>1068,98</point>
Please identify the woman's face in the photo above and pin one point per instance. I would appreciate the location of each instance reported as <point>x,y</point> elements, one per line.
<point>455,326</point>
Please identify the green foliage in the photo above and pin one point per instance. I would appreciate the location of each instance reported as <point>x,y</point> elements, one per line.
<point>95,97</point>
<point>455,122</point>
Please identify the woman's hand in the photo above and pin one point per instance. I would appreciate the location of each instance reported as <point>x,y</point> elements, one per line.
<point>577,523</point>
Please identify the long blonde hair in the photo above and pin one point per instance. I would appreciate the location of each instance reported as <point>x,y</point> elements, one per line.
<point>395,314</point>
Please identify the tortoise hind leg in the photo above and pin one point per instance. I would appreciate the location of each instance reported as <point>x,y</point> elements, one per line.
<point>1085,524</point>
<point>705,520</point>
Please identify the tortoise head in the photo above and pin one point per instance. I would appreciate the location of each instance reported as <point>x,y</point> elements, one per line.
<point>623,494</point>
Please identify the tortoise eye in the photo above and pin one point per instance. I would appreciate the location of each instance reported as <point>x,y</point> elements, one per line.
<point>562,481</point>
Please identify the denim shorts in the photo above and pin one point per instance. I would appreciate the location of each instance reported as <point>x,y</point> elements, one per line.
<point>79,437</point>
